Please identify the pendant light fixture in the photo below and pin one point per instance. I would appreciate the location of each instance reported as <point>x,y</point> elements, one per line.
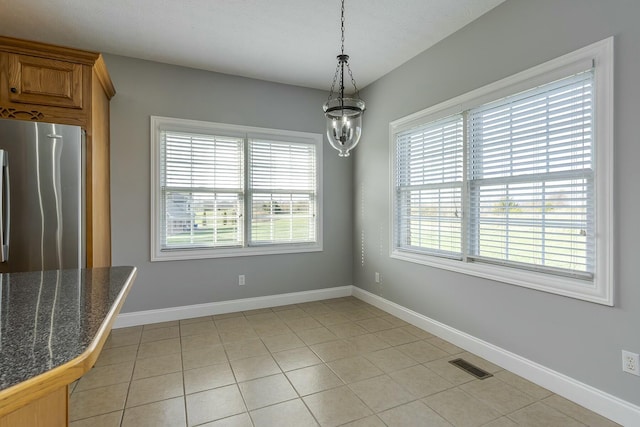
<point>343,113</point>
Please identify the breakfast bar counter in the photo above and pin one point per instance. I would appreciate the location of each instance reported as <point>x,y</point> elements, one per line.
<point>53,325</point>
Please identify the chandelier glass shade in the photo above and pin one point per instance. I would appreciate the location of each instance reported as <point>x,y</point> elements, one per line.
<point>343,112</point>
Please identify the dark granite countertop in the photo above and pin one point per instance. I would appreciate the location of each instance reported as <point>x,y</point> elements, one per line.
<point>48,318</point>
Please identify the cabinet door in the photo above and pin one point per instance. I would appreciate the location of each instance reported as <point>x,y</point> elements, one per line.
<point>34,80</point>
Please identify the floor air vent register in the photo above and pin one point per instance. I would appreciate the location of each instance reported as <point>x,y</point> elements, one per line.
<point>481,374</point>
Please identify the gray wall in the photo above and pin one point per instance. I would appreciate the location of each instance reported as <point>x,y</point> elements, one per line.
<point>147,88</point>
<point>580,339</point>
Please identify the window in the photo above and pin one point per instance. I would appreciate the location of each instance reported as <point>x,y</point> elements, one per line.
<point>429,187</point>
<point>282,185</point>
<point>513,181</point>
<point>224,190</point>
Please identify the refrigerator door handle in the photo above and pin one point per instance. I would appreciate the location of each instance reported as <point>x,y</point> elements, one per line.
<point>5,209</point>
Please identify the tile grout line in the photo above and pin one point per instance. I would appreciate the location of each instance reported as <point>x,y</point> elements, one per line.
<point>184,386</point>
<point>235,378</point>
<point>135,361</point>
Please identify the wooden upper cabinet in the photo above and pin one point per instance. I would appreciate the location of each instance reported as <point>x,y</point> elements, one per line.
<point>55,84</point>
<point>42,81</point>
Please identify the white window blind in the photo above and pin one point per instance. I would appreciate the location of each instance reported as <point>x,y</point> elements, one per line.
<point>531,178</point>
<point>429,177</point>
<point>222,190</point>
<point>282,191</point>
<point>201,185</point>
<point>533,203</point>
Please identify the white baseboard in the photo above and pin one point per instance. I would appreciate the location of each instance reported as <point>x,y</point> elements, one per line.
<point>190,311</point>
<point>609,406</point>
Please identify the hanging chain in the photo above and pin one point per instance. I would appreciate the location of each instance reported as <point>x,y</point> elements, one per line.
<point>335,80</point>
<point>353,82</point>
<point>342,27</point>
<point>335,76</point>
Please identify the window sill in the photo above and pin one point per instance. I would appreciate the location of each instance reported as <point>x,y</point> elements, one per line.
<point>586,290</point>
<point>187,254</point>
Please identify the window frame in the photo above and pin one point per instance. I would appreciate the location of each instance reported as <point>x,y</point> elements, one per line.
<point>158,124</point>
<point>601,288</point>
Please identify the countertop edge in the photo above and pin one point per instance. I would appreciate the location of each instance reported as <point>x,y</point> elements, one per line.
<point>22,394</point>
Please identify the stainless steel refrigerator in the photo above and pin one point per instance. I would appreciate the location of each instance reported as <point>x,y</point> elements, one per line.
<point>41,217</point>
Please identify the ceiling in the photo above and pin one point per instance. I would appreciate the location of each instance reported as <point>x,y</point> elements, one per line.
<point>285,41</point>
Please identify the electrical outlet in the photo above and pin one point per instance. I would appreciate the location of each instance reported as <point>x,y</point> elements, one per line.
<point>631,362</point>
<point>377,277</point>
<point>241,280</point>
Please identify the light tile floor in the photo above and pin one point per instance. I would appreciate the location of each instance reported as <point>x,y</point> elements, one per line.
<point>328,363</point>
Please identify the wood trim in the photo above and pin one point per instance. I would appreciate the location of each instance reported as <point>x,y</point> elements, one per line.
<point>14,113</point>
<point>20,395</point>
<point>98,181</point>
<point>51,410</point>
<point>103,77</point>
<point>44,113</point>
<point>27,47</point>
